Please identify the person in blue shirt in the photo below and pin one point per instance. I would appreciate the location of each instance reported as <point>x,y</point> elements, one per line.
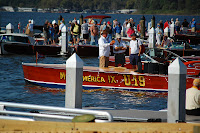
<point>118,29</point>
<point>193,25</point>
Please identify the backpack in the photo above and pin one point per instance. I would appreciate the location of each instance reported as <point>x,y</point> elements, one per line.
<point>142,48</point>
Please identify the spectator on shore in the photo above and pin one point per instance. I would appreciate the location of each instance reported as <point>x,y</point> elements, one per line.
<point>193,25</point>
<point>166,24</point>
<point>130,31</point>
<point>177,26</point>
<point>159,34</point>
<point>118,29</point>
<point>161,25</point>
<point>46,32</point>
<point>109,31</point>
<point>193,99</point>
<point>76,31</point>
<point>185,26</point>
<point>85,31</point>
<point>102,27</point>
<point>29,29</point>
<point>94,34</point>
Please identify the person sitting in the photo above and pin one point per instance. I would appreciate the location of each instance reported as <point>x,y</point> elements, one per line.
<point>193,99</point>
<point>119,48</point>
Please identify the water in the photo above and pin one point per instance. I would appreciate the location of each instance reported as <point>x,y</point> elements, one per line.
<point>14,89</point>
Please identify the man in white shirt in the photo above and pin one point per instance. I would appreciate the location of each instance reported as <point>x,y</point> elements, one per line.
<point>104,50</point>
<point>193,99</point>
<point>134,51</point>
<point>119,48</point>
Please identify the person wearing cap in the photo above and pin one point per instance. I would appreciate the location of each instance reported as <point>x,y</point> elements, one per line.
<point>29,28</point>
<point>134,51</point>
<point>104,50</point>
<point>119,48</point>
<point>193,99</point>
<point>109,31</point>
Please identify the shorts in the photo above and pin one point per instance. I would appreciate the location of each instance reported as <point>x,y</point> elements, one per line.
<point>103,61</point>
<point>134,59</point>
<point>177,28</point>
<point>85,36</point>
<point>76,36</point>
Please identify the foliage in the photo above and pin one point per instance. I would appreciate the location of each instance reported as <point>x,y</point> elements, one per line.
<point>143,6</point>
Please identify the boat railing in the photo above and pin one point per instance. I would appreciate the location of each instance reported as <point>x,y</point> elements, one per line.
<point>31,113</point>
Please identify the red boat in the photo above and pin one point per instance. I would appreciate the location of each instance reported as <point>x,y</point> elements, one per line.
<point>53,76</point>
<point>99,17</point>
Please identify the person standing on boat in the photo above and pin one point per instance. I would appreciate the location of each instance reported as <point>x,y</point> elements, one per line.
<point>85,31</point>
<point>185,25</point>
<point>94,34</point>
<point>159,34</point>
<point>76,31</point>
<point>193,25</point>
<point>104,50</point>
<point>134,51</point>
<point>119,48</point>
<point>193,99</point>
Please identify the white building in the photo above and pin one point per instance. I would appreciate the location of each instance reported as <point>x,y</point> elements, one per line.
<point>8,8</point>
<point>127,11</point>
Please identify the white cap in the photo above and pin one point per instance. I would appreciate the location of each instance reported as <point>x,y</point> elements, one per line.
<point>54,21</point>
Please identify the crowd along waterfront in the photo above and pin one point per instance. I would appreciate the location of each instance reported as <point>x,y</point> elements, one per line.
<point>14,88</point>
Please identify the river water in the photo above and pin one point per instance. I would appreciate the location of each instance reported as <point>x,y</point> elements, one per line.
<point>14,89</point>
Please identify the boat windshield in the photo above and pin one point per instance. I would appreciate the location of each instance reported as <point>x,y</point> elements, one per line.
<point>11,38</point>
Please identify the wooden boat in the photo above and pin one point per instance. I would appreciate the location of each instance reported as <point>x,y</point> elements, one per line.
<point>98,17</point>
<point>15,43</point>
<point>54,76</point>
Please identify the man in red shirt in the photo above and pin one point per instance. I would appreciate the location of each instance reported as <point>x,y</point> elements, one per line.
<point>166,24</point>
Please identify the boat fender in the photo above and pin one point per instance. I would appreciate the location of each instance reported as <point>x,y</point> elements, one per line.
<point>84,118</point>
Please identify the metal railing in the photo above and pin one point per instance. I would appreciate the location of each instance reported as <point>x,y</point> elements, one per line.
<point>58,113</point>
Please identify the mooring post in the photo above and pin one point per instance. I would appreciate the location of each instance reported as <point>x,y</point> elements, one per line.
<point>64,41</point>
<point>153,22</point>
<point>176,91</point>
<point>9,28</point>
<point>172,30</point>
<point>74,81</point>
<point>152,41</point>
<point>142,24</point>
